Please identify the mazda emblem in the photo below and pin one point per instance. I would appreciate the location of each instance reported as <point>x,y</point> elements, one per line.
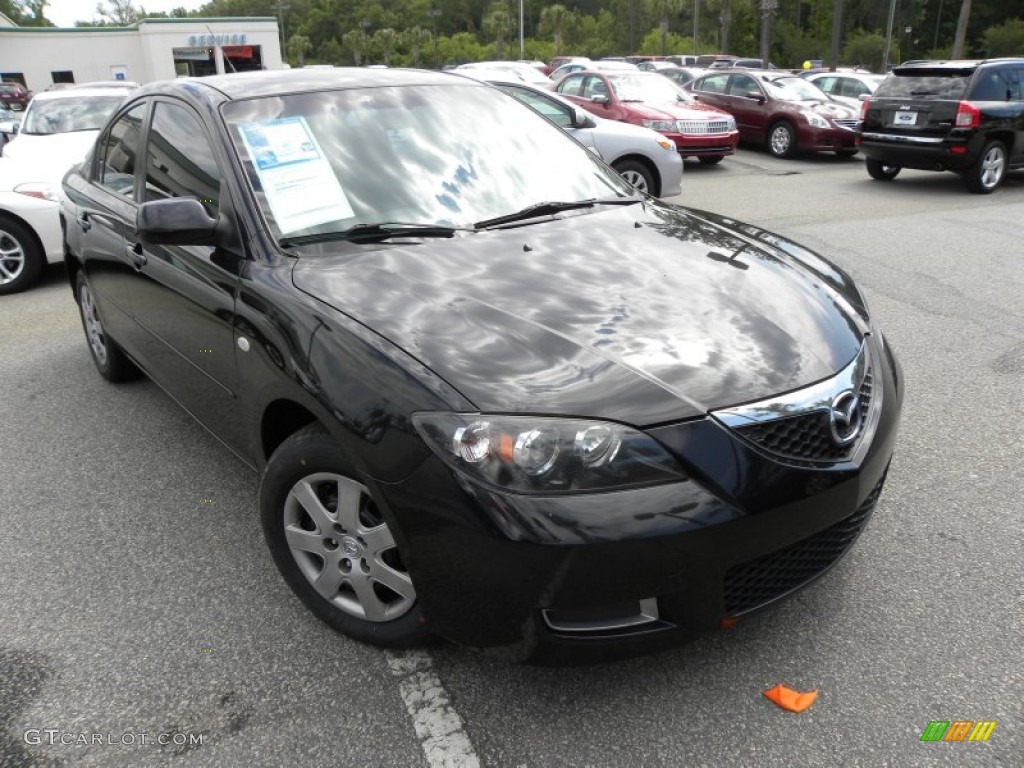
<point>845,417</point>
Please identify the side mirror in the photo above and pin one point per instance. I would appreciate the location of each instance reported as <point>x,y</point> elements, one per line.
<point>864,96</point>
<point>175,221</point>
<point>580,119</point>
<point>599,98</point>
<point>756,96</point>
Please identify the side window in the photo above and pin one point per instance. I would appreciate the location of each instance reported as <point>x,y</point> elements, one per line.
<point>179,160</point>
<point>713,84</point>
<point>742,85</point>
<point>827,84</point>
<point>990,86</point>
<point>1016,77</point>
<point>595,86</point>
<point>118,150</point>
<point>854,88</point>
<point>553,111</point>
<point>571,85</point>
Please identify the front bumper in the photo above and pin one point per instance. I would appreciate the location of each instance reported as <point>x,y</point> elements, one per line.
<point>43,218</point>
<point>638,568</point>
<point>826,139</point>
<point>714,145</point>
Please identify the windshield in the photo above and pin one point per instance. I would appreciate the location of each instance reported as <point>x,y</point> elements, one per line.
<point>652,88</point>
<point>448,155</point>
<point>80,113</point>
<point>943,85</point>
<point>794,89</point>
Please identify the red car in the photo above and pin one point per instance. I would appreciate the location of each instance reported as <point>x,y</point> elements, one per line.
<point>654,101</point>
<point>784,112</point>
<point>14,96</point>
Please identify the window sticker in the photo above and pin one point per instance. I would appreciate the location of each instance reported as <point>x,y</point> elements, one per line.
<point>300,186</point>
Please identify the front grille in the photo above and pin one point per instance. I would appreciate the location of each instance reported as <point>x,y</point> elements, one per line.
<point>849,123</point>
<point>703,127</point>
<point>807,437</point>
<point>769,577</point>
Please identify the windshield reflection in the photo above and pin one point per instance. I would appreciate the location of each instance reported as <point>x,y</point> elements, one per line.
<point>442,155</point>
<point>64,115</point>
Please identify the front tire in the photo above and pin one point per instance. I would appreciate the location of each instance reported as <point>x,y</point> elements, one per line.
<point>880,171</point>
<point>333,546</point>
<point>782,139</point>
<point>21,259</point>
<point>988,172</point>
<point>112,364</point>
<point>639,175</point>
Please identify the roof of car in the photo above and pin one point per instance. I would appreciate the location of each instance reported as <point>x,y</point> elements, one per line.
<point>82,92</point>
<point>277,82</point>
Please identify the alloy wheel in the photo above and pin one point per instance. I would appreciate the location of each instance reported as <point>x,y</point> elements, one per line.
<point>12,258</point>
<point>637,179</point>
<point>344,548</point>
<point>993,165</point>
<point>93,326</point>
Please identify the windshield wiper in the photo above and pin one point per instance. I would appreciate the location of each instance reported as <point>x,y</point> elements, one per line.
<point>373,233</point>
<point>548,208</point>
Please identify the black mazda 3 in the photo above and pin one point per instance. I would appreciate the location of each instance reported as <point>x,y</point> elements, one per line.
<point>492,392</point>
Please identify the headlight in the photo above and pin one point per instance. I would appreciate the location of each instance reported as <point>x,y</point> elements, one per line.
<point>661,125</point>
<point>41,189</point>
<point>730,124</point>
<point>815,120</point>
<point>538,454</point>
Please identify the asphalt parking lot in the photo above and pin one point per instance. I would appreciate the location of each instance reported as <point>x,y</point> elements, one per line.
<point>137,598</point>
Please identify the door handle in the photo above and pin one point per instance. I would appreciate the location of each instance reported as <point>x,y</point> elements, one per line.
<point>136,255</point>
<point>83,222</point>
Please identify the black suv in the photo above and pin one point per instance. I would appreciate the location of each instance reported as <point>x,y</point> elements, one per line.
<point>964,116</point>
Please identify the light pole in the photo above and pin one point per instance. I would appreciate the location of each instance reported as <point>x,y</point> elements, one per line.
<point>888,35</point>
<point>521,54</point>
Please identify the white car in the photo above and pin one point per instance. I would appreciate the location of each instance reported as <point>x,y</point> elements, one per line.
<point>851,88</point>
<point>57,130</point>
<point>509,70</point>
<point>645,158</point>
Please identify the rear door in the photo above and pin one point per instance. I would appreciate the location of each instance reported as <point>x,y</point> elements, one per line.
<point>104,206</point>
<point>184,296</point>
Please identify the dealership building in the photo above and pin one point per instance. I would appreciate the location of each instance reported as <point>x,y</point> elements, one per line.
<point>152,49</point>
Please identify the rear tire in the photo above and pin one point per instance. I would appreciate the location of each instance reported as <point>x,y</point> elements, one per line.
<point>332,544</point>
<point>880,171</point>
<point>710,160</point>
<point>988,172</point>
<point>111,362</point>
<point>639,175</point>
<point>846,152</point>
<point>22,262</point>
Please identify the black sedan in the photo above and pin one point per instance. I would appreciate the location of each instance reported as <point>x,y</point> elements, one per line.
<point>492,392</point>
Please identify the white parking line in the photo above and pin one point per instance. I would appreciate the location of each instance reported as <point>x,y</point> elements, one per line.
<point>437,724</point>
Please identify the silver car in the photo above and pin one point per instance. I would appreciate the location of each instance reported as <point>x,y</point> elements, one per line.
<point>645,158</point>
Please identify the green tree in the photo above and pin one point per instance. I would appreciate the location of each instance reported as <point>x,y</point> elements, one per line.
<point>553,21</point>
<point>497,25</point>
<point>665,10</point>
<point>384,42</point>
<point>865,49</point>
<point>357,43</point>
<point>1007,39</point>
<point>416,38</point>
<point>299,46</point>
<point>121,13</point>
<point>330,52</point>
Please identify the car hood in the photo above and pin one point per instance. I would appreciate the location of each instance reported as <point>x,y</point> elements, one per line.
<point>832,109</point>
<point>680,111</point>
<point>556,318</point>
<point>54,148</point>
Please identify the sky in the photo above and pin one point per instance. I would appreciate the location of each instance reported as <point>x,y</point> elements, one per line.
<point>64,13</point>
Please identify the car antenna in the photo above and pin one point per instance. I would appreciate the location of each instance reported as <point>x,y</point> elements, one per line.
<point>218,45</point>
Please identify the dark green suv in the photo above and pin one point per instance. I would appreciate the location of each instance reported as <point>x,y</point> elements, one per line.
<point>963,116</point>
